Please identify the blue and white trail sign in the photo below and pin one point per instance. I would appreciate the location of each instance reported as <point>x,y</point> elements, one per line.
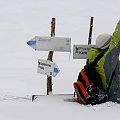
<point>62,44</point>
<point>47,67</point>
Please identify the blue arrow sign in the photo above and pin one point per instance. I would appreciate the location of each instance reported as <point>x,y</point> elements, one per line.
<point>31,42</point>
<point>47,67</point>
<point>56,70</point>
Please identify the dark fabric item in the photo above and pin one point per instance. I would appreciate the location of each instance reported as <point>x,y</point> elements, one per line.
<point>111,68</point>
<point>114,90</point>
<point>111,62</point>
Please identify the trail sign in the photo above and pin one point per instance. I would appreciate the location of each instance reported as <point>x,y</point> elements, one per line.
<point>50,44</point>
<point>47,67</point>
<point>81,51</point>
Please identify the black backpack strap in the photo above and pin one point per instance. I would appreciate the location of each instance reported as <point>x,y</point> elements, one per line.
<point>98,58</point>
<point>102,52</point>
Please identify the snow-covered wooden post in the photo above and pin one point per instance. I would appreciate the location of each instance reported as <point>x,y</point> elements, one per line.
<point>50,56</point>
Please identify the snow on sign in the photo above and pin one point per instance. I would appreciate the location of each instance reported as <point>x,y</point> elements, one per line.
<point>81,51</point>
<point>47,67</point>
<point>50,44</point>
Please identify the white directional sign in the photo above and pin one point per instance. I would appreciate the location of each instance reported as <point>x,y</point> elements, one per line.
<point>81,51</point>
<point>47,67</point>
<point>50,43</point>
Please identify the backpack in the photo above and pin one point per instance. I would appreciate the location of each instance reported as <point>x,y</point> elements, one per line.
<point>88,87</point>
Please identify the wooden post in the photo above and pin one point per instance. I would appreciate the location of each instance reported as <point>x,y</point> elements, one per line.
<point>50,56</point>
<point>90,33</point>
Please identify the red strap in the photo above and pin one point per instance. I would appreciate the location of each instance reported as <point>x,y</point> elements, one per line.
<point>85,93</point>
<point>80,100</point>
<point>85,78</point>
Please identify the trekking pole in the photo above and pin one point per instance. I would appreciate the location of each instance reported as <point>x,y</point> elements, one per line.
<point>90,33</point>
<point>50,56</point>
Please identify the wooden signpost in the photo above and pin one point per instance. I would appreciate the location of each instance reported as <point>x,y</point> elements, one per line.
<point>82,51</point>
<point>52,44</point>
<point>50,56</point>
<point>90,33</point>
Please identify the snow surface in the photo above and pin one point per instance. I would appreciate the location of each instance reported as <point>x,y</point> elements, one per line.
<point>20,21</point>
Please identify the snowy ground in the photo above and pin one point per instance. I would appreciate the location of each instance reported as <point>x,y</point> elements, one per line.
<point>21,20</point>
<point>53,107</point>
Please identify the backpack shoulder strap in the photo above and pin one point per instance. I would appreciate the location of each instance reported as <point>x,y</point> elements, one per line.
<point>102,52</point>
<point>98,58</point>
